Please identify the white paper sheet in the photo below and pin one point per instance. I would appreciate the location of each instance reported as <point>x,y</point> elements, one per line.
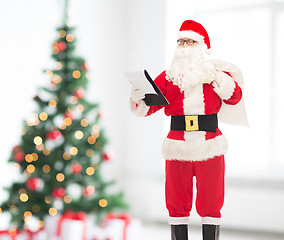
<point>139,80</point>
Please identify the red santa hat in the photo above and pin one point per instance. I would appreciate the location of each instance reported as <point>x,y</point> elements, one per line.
<point>195,31</point>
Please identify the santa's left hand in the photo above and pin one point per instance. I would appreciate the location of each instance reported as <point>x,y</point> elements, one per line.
<point>223,84</point>
<point>215,84</point>
<point>218,78</point>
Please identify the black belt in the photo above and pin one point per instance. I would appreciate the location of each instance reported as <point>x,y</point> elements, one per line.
<point>189,123</point>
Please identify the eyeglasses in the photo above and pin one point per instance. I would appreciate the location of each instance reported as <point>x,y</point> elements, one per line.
<point>188,42</point>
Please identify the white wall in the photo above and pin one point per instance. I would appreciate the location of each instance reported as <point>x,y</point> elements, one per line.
<point>143,166</point>
<point>27,31</point>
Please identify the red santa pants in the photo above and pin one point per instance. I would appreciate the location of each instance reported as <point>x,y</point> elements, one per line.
<point>209,189</point>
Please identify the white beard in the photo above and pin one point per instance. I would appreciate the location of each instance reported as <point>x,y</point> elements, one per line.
<point>189,68</point>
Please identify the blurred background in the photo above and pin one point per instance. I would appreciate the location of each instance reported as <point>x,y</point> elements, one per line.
<point>115,36</point>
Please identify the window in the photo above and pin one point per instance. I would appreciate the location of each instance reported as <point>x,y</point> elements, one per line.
<point>248,33</point>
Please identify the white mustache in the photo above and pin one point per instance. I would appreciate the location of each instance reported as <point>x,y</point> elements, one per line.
<point>188,51</point>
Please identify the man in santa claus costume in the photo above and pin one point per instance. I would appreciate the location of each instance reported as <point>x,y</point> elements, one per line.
<point>196,90</point>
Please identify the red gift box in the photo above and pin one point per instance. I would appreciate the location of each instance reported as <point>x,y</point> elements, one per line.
<point>124,217</point>
<point>69,215</point>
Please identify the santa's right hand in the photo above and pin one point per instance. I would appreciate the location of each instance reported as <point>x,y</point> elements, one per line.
<point>137,94</point>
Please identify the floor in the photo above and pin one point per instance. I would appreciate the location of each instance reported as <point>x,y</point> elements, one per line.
<point>162,232</point>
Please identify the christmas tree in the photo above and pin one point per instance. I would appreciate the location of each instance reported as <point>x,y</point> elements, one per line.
<point>62,147</point>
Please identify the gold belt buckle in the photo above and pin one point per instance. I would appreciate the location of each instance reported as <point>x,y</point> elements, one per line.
<point>191,123</point>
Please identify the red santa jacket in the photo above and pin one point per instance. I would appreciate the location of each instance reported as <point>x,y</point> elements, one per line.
<point>204,98</point>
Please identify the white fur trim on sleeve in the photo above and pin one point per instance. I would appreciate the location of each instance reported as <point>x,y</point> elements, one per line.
<point>140,109</point>
<point>226,85</point>
<point>195,150</point>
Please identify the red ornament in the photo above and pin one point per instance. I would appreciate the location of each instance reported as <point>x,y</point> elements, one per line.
<point>89,191</point>
<point>101,114</point>
<point>107,156</point>
<point>69,115</point>
<point>80,93</point>
<point>61,46</point>
<point>76,168</point>
<point>84,66</point>
<point>16,148</point>
<point>53,134</point>
<point>19,156</point>
<point>58,192</point>
<point>34,184</point>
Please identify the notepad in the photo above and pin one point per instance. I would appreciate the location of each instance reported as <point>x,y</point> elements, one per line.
<point>142,80</point>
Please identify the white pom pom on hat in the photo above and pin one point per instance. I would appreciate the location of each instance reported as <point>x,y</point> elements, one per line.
<point>195,31</point>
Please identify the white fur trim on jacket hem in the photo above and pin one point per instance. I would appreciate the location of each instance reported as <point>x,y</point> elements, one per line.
<point>140,109</point>
<point>226,85</point>
<point>190,34</point>
<point>211,221</point>
<point>198,150</point>
<point>178,220</point>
